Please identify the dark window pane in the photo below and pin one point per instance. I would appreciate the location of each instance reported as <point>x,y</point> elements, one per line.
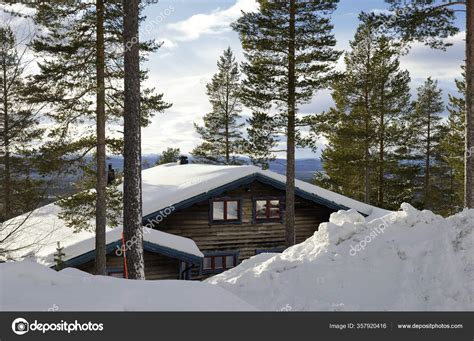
<point>207,263</point>
<point>218,262</point>
<point>261,209</point>
<point>218,210</point>
<point>229,262</point>
<point>116,274</point>
<point>232,210</point>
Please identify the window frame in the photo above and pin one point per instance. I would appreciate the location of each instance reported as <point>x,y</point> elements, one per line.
<point>268,219</point>
<point>224,221</point>
<point>223,255</point>
<point>185,270</point>
<point>274,250</point>
<point>115,270</point>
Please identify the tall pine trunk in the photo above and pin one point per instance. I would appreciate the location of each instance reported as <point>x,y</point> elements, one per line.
<point>367,162</point>
<point>427,202</point>
<point>290,148</point>
<point>380,193</point>
<point>381,181</point>
<point>101,202</point>
<point>451,191</point>
<point>227,142</point>
<point>469,160</point>
<point>132,189</point>
<point>6,142</point>
<point>367,118</point>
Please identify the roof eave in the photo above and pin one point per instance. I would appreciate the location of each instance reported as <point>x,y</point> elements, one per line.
<point>147,246</point>
<point>149,218</point>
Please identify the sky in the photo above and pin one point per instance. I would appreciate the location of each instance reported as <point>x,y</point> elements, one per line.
<point>196,32</point>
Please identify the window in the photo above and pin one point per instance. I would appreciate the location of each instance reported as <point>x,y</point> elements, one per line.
<point>217,262</point>
<point>230,261</point>
<point>267,209</point>
<point>275,250</point>
<point>184,270</point>
<point>207,263</point>
<point>225,210</point>
<point>115,272</point>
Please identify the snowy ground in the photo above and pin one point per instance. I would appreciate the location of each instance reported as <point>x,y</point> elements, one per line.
<point>28,286</point>
<point>407,260</point>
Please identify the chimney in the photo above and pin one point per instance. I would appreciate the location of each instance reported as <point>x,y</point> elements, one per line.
<point>110,175</point>
<point>183,160</point>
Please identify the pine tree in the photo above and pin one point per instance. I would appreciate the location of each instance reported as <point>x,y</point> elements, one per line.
<point>132,184</point>
<point>453,146</point>
<point>289,50</point>
<point>79,210</point>
<point>169,155</point>
<point>426,131</point>
<point>261,140</point>
<point>343,157</point>
<point>364,128</point>
<point>221,132</point>
<point>20,192</point>
<point>82,70</point>
<point>59,257</point>
<point>391,106</point>
<point>100,150</point>
<point>431,22</point>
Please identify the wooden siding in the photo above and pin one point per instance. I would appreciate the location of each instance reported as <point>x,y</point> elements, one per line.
<point>246,236</point>
<point>156,266</point>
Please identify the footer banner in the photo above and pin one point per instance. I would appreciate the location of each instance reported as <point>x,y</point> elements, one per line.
<point>455,326</point>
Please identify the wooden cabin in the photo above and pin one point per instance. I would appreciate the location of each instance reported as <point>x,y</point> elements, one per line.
<point>241,222</point>
<point>200,220</point>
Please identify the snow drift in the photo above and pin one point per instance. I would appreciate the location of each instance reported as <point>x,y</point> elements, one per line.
<point>406,260</point>
<point>29,286</point>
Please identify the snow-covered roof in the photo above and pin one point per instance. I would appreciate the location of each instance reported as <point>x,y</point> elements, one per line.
<point>169,184</point>
<point>163,186</point>
<point>43,229</point>
<point>157,238</point>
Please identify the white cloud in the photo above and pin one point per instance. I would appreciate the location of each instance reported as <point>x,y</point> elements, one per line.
<point>422,61</point>
<point>175,128</point>
<point>168,44</point>
<point>216,22</point>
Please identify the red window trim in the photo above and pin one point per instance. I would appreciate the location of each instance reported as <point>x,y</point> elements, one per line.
<point>267,209</point>
<point>225,201</point>
<point>224,262</point>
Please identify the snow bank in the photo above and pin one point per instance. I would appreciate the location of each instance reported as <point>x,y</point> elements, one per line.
<point>406,260</point>
<point>28,286</point>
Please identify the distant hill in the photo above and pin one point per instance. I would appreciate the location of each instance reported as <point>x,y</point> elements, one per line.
<point>305,168</point>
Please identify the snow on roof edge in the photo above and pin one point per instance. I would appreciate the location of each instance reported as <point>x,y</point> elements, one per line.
<point>156,237</point>
<point>163,187</point>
